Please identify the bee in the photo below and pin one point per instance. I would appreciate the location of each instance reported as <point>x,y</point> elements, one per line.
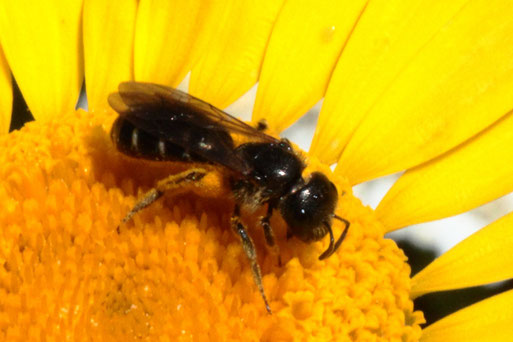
<point>164,124</point>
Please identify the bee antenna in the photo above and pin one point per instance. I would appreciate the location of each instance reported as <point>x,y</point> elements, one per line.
<point>334,246</point>
<point>344,233</point>
<point>330,250</point>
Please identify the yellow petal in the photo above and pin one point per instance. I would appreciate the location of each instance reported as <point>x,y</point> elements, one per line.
<point>459,83</point>
<point>5,94</point>
<point>305,44</point>
<point>488,320</point>
<point>42,43</point>
<point>484,257</point>
<point>166,36</point>
<point>388,36</point>
<point>108,45</point>
<point>474,173</point>
<point>230,63</point>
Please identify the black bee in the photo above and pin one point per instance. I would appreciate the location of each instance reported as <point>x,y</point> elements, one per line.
<point>160,123</point>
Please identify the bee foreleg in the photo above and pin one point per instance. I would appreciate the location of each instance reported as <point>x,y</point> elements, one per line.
<point>249,249</point>
<point>169,183</point>
<point>268,231</point>
<point>262,125</point>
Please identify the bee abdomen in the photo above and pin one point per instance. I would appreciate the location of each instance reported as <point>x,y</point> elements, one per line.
<point>138,143</point>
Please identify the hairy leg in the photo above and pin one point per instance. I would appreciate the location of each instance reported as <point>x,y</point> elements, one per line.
<point>268,231</point>
<point>249,249</point>
<point>169,183</point>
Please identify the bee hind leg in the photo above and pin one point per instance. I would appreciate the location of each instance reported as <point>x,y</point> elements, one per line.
<point>169,183</point>
<point>249,249</point>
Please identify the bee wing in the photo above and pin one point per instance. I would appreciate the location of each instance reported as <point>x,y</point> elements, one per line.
<point>166,113</point>
<point>136,94</point>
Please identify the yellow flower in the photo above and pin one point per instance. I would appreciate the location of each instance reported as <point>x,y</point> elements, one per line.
<point>420,86</point>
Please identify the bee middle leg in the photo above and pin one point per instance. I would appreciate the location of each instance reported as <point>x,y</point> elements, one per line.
<point>268,231</point>
<point>249,249</point>
<point>169,183</point>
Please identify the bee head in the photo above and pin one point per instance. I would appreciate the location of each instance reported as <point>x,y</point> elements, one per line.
<point>309,209</point>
